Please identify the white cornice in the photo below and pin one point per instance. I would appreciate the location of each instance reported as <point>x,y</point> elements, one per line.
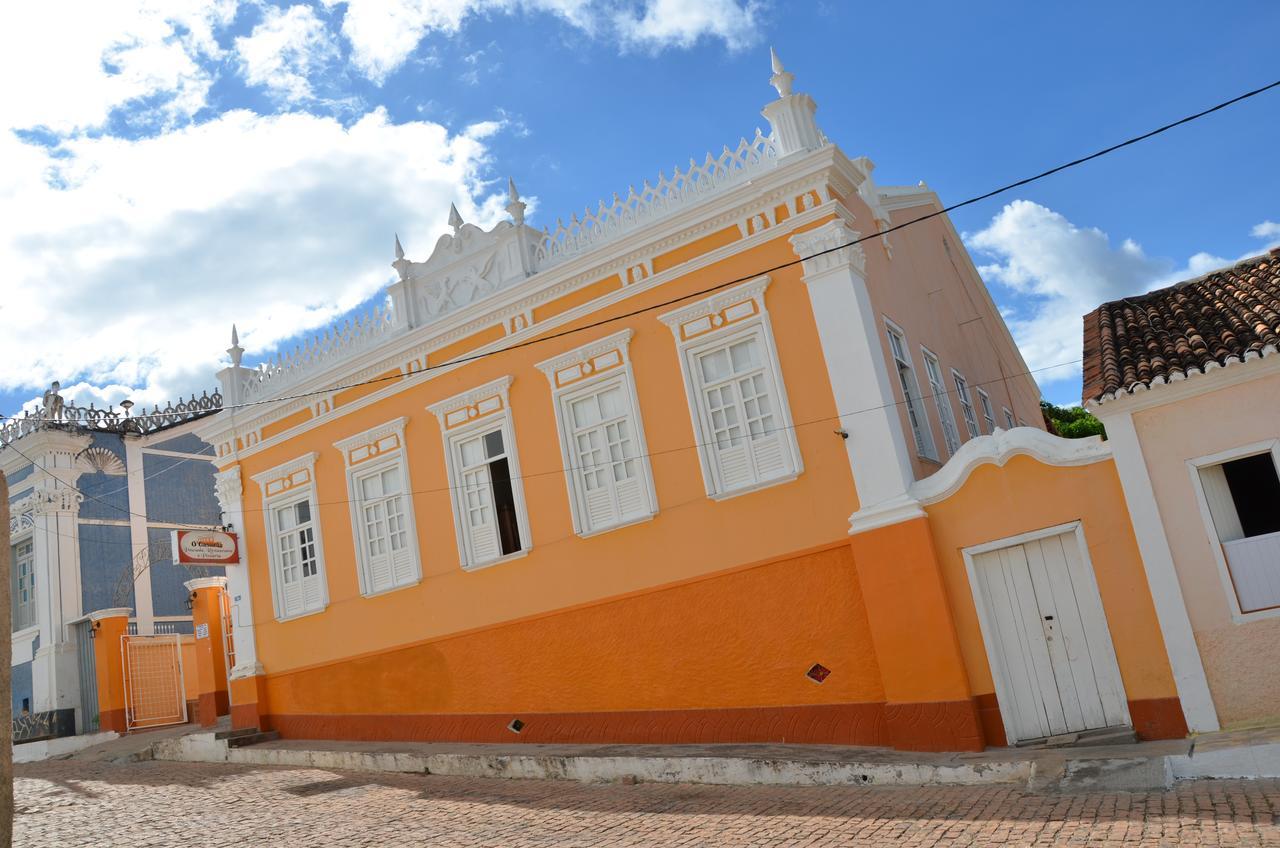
<point>285,469</point>
<point>205,583</point>
<point>885,514</point>
<point>1002,446</point>
<point>220,430</point>
<point>373,434</point>
<point>471,397</point>
<point>754,289</point>
<point>826,166</point>
<point>1186,383</point>
<point>619,341</point>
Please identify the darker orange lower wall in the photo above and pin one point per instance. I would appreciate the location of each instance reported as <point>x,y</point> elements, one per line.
<point>841,724</point>
<point>1158,718</point>
<point>720,659</point>
<point>1153,718</point>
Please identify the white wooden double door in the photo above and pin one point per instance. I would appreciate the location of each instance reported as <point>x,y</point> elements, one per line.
<point>1046,635</point>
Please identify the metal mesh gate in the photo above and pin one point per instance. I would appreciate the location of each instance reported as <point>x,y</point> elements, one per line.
<point>88,665</point>
<point>154,692</point>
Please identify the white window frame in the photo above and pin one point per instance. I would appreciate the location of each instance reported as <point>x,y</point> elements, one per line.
<point>923,436</point>
<point>726,318</point>
<point>941,401</point>
<point>966,404</point>
<point>23,538</point>
<point>1272,446</point>
<point>376,451</point>
<point>284,486</point>
<point>1008,418</point>
<point>463,417</point>
<point>988,411</point>
<point>586,371</point>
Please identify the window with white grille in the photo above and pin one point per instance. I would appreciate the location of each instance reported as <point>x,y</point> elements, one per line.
<point>381,500</point>
<point>942,400</point>
<point>484,475</point>
<point>735,390</point>
<point>966,403</point>
<point>601,437</point>
<point>1008,419</point>
<point>23,568</point>
<point>988,413</point>
<point>920,430</point>
<point>294,548</point>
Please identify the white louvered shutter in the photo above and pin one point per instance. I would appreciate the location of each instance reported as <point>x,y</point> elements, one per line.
<point>477,515</point>
<point>312,592</point>
<point>608,476</point>
<point>746,433</point>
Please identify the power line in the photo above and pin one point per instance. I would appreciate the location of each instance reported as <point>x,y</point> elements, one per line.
<point>717,287</point>
<point>649,454</point>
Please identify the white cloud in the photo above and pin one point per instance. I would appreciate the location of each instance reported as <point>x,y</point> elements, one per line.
<point>128,268</point>
<point>1060,272</point>
<point>285,49</point>
<point>384,33</point>
<point>1266,230</point>
<point>680,23</point>
<point>67,68</point>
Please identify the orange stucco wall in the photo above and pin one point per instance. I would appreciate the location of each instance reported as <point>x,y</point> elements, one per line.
<point>740,639</point>
<point>691,535</point>
<point>1027,495</point>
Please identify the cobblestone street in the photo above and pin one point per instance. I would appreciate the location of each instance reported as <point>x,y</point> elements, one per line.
<point>72,803</point>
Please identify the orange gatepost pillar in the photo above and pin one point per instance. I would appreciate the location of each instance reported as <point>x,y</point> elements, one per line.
<point>928,704</point>
<point>211,665</point>
<point>108,625</point>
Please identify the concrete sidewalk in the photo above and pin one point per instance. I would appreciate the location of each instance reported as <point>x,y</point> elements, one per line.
<point>1140,766</point>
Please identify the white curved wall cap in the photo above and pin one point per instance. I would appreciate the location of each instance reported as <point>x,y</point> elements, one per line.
<point>1002,446</point>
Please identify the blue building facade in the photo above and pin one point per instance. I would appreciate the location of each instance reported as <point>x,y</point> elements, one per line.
<point>94,496</point>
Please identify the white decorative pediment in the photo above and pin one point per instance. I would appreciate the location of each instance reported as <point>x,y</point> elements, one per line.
<point>480,402</point>
<point>719,311</point>
<point>99,460</point>
<point>597,357</point>
<point>464,267</point>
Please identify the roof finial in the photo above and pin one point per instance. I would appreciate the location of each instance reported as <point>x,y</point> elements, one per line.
<point>516,206</point>
<point>236,352</point>
<point>455,220</point>
<point>399,249</point>
<point>782,78</point>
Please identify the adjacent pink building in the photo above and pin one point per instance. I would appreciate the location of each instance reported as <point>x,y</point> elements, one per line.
<point>1187,381</point>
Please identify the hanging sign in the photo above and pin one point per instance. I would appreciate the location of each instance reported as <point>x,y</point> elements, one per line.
<point>206,547</point>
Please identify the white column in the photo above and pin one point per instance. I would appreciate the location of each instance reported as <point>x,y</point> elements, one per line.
<point>55,675</point>
<point>858,372</point>
<point>230,490</point>
<point>139,542</point>
<point>1162,577</point>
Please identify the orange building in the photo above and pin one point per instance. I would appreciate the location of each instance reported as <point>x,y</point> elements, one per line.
<point>697,467</point>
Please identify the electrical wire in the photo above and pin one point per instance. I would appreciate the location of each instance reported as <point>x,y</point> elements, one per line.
<point>717,287</point>
<point>826,419</point>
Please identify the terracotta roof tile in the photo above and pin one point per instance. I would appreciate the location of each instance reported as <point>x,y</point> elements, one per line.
<point>1229,315</point>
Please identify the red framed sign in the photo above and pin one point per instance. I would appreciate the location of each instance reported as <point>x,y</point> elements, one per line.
<point>206,547</point>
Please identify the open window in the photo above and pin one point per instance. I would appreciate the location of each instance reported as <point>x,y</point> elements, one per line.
<point>484,475</point>
<point>1242,497</point>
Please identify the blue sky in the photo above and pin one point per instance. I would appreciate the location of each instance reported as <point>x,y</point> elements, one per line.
<point>184,165</point>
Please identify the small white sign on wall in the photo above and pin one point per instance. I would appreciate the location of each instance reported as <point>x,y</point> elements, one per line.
<point>202,631</point>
